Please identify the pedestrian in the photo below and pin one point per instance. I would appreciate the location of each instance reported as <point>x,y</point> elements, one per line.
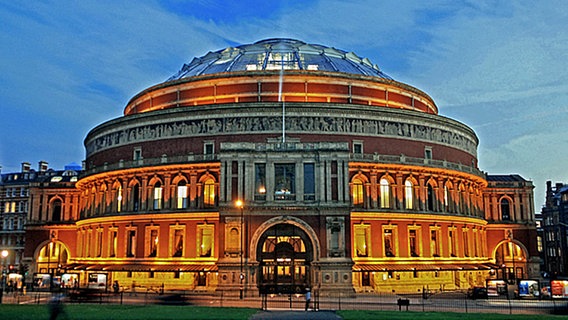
<point>115,286</point>
<point>308,298</point>
<point>55,307</point>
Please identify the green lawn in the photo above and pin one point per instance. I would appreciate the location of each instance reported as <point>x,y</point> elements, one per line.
<point>158,312</point>
<point>125,312</point>
<point>397,315</point>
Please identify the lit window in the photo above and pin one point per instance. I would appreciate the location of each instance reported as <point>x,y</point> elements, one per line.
<point>357,192</point>
<point>260,181</point>
<point>408,195</point>
<point>152,242</point>
<point>435,242</point>
<point>388,241</point>
<point>285,181</point>
<point>182,195</point>
<point>158,196</point>
<point>361,240</point>
<point>177,242</point>
<point>385,193</point>
<point>205,240</point>
<point>113,242</point>
<point>119,199</point>
<point>209,193</point>
<point>446,198</point>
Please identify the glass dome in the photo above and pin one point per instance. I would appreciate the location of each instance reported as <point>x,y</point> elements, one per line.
<point>279,54</point>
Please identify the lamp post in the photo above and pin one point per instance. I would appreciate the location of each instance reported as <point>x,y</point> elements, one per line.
<point>5,254</point>
<point>240,205</point>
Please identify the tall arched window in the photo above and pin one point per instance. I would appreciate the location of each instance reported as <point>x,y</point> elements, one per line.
<point>431,198</point>
<point>357,192</point>
<point>408,195</point>
<point>505,209</point>
<point>135,197</point>
<point>119,198</point>
<point>385,193</point>
<point>209,193</point>
<point>181,195</point>
<point>56,210</point>
<point>158,196</point>
<point>446,199</point>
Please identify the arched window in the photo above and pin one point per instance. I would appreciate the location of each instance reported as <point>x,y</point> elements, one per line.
<point>408,195</point>
<point>119,198</point>
<point>505,209</point>
<point>181,195</point>
<point>431,198</point>
<point>56,210</point>
<point>385,193</point>
<point>158,196</point>
<point>135,198</point>
<point>446,199</point>
<point>357,193</point>
<point>209,193</point>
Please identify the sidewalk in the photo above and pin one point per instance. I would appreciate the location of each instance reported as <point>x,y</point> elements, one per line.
<point>295,315</point>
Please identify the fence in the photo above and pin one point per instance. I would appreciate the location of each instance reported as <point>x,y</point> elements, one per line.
<point>449,301</point>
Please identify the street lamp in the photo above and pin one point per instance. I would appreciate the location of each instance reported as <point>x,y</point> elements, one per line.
<point>240,204</point>
<point>5,254</point>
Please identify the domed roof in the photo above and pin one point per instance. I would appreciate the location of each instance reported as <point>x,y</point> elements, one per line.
<point>277,54</point>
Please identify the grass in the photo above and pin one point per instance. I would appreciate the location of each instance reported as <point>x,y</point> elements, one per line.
<point>158,312</point>
<point>397,315</point>
<point>125,312</point>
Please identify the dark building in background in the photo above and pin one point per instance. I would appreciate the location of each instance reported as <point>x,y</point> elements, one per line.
<point>554,228</point>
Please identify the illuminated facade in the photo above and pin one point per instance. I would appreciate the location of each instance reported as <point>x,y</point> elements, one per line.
<point>347,180</point>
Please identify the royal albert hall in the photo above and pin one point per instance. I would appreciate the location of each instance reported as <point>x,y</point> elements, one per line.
<point>281,165</point>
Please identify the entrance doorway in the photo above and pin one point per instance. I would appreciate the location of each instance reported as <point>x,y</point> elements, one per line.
<point>285,254</point>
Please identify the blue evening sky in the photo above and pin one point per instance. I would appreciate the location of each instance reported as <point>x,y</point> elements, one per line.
<point>498,66</point>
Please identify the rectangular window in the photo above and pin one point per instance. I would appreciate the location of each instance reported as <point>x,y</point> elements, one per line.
<point>113,242</point>
<point>388,241</point>
<point>357,147</point>
<point>152,241</point>
<point>177,241</point>
<point>284,181</point>
<point>205,239</point>
<point>361,240</point>
<point>260,181</point>
<point>435,242</point>
<point>475,243</point>
<point>99,242</point>
<point>452,242</point>
<point>88,243</point>
<point>428,153</point>
<point>130,243</point>
<point>208,148</point>
<point>413,243</point>
<point>137,154</point>
<point>309,182</point>
<point>465,234</point>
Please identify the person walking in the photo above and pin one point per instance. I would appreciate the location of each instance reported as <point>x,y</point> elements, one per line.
<point>308,298</point>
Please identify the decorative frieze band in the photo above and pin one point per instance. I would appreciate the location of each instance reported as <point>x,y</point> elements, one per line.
<point>273,124</point>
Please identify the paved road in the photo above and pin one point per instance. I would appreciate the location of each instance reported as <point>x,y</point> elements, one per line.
<point>295,315</point>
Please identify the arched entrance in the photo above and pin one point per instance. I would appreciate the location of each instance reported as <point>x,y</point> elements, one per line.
<point>284,253</point>
<point>511,258</point>
<point>50,258</point>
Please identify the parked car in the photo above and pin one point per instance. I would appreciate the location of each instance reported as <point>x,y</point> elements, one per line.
<point>477,293</point>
